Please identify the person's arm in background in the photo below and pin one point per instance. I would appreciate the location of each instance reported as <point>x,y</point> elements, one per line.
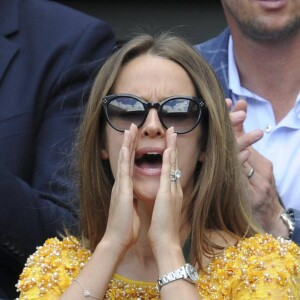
<point>265,201</point>
<point>32,211</point>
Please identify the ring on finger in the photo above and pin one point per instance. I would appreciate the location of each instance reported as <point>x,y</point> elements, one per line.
<point>251,173</point>
<point>175,174</point>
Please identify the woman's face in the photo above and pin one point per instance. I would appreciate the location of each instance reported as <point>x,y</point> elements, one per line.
<point>154,79</point>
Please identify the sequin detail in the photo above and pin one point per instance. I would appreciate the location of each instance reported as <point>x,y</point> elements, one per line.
<point>260,267</point>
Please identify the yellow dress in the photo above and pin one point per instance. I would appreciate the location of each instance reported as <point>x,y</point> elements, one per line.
<point>260,267</point>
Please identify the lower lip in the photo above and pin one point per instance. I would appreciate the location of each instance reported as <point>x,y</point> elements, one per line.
<point>272,4</point>
<point>147,172</point>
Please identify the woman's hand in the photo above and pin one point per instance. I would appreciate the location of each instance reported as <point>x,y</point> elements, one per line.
<point>123,221</point>
<point>166,217</point>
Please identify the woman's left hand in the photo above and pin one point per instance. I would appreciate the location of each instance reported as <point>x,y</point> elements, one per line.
<point>166,217</point>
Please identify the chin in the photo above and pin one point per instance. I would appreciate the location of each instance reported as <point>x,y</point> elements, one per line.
<point>146,192</point>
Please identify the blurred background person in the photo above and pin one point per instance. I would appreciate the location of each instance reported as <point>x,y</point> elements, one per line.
<point>48,54</point>
<point>257,59</point>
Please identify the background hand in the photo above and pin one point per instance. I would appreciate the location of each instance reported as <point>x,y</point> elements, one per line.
<point>266,207</point>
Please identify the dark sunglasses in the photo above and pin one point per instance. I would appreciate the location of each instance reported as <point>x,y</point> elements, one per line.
<point>183,113</point>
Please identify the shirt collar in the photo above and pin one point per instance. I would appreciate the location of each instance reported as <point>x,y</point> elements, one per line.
<point>234,82</point>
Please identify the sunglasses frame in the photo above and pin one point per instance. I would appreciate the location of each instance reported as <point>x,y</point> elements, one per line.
<point>157,105</point>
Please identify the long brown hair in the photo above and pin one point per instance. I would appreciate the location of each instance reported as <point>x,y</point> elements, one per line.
<point>218,201</point>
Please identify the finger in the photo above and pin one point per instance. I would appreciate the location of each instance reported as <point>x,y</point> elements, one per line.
<point>243,156</point>
<point>133,145</point>
<point>171,144</point>
<point>124,164</point>
<point>240,105</point>
<point>248,139</point>
<point>261,165</point>
<point>165,170</point>
<point>118,177</point>
<point>255,158</point>
<point>129,142</point>
<point>121,155</point>
<point>239,111</point>
<point>123,182</point>
<point>228,103</point>
<point>254,175</point>
<point>174,164</point>
<point>169,134</point>
<point>249,172</point>
<point>237,119</point>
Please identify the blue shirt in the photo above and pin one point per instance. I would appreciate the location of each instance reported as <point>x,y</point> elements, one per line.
<point>283,138</point>
<point>281,141</point>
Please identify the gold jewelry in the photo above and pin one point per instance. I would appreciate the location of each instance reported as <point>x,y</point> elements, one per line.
<point>86,293</point>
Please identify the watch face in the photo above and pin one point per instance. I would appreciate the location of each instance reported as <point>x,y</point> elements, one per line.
<point>192,273</point>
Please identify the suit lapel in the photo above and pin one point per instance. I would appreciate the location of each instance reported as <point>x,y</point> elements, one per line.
<point>9,24</point>
<point>219,61</point>
<point>7,51</point>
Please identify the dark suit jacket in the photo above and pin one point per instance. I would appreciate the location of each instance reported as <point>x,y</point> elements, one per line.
<point>46,52</point>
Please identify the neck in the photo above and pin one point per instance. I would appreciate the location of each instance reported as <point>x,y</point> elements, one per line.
<point>139,262</point>
<point>270,70</point>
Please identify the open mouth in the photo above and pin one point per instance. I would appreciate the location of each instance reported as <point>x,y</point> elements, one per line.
<point>149,160</point>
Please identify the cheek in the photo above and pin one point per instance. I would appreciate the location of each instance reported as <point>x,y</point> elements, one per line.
<point>113,161</point>
<point>188,157</point>
<point>114,141</point>
<point>190,152</point>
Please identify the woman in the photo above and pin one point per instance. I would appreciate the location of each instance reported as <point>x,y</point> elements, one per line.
<point>158,174</point>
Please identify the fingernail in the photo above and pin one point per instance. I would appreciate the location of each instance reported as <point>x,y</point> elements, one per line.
<point>240,115</point>
<point>258,133</point>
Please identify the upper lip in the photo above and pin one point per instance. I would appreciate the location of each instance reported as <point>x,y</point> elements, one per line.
<point>148,150</point>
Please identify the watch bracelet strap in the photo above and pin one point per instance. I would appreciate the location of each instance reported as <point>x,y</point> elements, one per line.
<point>187,272</point>
<point>171,276</point>
<point>289,223</point>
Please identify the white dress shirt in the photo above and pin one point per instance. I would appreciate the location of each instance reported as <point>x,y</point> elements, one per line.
<point>280,143</point>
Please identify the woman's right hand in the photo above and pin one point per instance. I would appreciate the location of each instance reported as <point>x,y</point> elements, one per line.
<point>123,221</point>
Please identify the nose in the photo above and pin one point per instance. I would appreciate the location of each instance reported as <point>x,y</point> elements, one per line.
<point>152,126</point>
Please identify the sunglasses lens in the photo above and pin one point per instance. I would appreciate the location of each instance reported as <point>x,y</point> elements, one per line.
<point>123,111</point>
<point>182,114</point>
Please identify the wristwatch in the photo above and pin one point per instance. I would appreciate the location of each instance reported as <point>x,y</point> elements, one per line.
<point>186,272</point>
<point>288,219</point>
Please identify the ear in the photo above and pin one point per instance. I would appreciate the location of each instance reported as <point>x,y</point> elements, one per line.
<point>104,154</point>
<point>201,156</point>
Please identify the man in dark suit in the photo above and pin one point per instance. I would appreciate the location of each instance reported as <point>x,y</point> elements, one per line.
<point>48,55</point>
